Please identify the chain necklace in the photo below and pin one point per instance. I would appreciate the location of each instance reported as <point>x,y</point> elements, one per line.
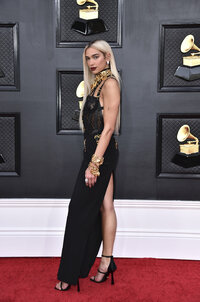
<point>101,76</point>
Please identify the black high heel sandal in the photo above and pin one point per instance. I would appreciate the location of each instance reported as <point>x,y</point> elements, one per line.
<point>111,269</point>
<point>68,287</point>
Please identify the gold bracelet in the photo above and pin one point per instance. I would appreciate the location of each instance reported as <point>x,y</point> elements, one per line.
<point>98,161</point>
<point>94,169</point>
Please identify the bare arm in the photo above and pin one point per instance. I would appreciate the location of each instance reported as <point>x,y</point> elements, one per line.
<point>111,102</point>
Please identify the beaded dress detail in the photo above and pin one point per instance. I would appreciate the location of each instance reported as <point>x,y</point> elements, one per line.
<point>83,235</point>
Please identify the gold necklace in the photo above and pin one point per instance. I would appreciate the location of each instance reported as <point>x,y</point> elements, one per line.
<point>101,76</point>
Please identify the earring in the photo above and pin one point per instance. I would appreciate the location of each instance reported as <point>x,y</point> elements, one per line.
<point>107,62</point>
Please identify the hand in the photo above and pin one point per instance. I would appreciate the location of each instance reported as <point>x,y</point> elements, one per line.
<point>91,178</point>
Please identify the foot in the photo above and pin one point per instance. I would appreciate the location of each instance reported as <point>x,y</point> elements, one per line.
<point>62,286</point>
<point>103,267</point>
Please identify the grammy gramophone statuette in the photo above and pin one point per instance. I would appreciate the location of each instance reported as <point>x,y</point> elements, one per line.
<point>88,22</point>
<point>79,94</point>
<point>189,155</point>
<point>191,64</point>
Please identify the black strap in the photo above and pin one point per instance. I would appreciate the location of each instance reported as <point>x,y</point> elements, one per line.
<point>99,91</point>
<point>101,86</point>
<point>106,256</point>
<point>102,272</point>
<point>92,92</point>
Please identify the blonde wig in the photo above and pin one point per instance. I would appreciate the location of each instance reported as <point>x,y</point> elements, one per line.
<point>105,48</point>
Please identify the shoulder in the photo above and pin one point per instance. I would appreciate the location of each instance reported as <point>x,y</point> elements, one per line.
<point>111,93</point>
<point>111,84</point>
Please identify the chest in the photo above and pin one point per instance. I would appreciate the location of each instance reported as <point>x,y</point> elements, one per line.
<point>92,105</point>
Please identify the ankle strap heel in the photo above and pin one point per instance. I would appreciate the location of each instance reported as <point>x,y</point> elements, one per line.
<point>107,256</point>
<point>111,269</point>
<point>112,278</point>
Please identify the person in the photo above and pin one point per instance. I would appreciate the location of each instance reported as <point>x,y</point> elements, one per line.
<point>91,215</point>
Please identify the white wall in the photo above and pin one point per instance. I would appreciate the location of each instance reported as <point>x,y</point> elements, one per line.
<point>158,229</point>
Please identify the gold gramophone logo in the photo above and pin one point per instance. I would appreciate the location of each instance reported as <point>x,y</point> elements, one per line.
<point>191,63</point>
<point>80,95</point>
<point>191,142</point>
<point>187,45</point>
<point>90,12</point>
<point>89,22</point>
<point>188,156</point>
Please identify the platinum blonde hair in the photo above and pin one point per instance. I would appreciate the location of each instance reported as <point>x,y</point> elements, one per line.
<point>105,48</point>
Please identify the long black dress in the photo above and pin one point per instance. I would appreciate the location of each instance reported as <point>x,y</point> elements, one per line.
<point>83,234</point>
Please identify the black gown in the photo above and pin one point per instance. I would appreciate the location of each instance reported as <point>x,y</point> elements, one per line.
<point>83,234</point>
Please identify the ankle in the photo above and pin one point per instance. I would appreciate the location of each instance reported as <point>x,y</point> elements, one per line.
<point>106,255</point>
<point>105,262</point>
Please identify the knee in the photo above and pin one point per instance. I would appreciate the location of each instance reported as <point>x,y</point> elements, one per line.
<point>107,207</point>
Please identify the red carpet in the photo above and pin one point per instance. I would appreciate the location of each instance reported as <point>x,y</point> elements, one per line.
<point>136,280</point>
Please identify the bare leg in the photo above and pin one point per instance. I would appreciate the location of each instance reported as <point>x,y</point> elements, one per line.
<point>109,226</point>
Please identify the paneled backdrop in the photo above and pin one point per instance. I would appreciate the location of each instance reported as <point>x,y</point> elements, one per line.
<point>49,161</point>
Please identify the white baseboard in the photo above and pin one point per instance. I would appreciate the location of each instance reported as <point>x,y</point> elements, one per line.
<point>146,228</point>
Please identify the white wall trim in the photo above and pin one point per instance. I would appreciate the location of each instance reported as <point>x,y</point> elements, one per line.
<point>124,203</point>
<point>32,232</point>
<point>146,228</point>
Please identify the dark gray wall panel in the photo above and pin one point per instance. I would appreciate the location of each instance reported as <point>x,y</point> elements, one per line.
<point>10,144</point>
<point>67,102</point>
<point>9,58</point>
<point>171,37</point>
<point>50,162</point>
<point>168,165</point>
<point>68,12</point>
